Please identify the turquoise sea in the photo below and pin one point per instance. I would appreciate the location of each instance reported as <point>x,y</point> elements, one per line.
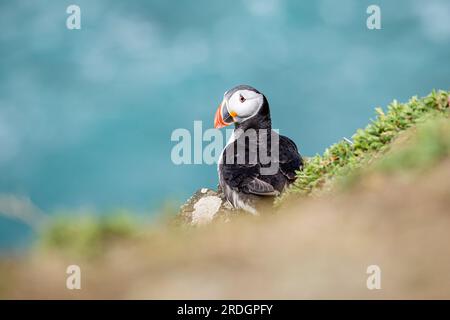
<point>86,115</point>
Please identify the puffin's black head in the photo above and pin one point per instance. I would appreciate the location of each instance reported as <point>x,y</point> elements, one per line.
<point>245,106</point>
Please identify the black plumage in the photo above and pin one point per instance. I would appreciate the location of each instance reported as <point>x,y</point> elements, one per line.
<point>244,183</point>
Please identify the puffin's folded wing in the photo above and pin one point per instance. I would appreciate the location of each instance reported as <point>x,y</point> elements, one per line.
<point>260,188</point>
<point>290,159</point>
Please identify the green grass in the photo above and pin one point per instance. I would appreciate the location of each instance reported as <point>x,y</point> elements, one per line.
<point>430,144</point>
<point>87,235</point>
<point>343,158</point>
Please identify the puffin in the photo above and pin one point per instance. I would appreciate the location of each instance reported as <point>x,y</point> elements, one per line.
<point>257,163</point>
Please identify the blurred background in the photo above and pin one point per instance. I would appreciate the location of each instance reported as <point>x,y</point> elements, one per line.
<point>86,115</point>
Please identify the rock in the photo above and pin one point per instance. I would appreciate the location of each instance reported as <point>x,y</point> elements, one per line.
<point>205,209</point>
<point>205,206</point>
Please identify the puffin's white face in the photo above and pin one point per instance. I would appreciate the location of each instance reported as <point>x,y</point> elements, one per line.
<point>240,106</point>
<point>244,103</point>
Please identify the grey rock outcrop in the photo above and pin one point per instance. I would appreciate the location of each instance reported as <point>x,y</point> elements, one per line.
<point>205,206</point>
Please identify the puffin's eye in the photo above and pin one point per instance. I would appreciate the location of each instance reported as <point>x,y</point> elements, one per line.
<point>241,98</point>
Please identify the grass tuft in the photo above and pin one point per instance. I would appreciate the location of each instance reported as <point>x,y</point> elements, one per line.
<point>87,235</point>
<point>343,158</point>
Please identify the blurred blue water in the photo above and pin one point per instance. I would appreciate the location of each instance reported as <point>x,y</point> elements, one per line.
<point>14,236</point>
<point>86,115</point>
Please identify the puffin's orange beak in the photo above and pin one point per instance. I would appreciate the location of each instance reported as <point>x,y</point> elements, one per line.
<point>218,119</point>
